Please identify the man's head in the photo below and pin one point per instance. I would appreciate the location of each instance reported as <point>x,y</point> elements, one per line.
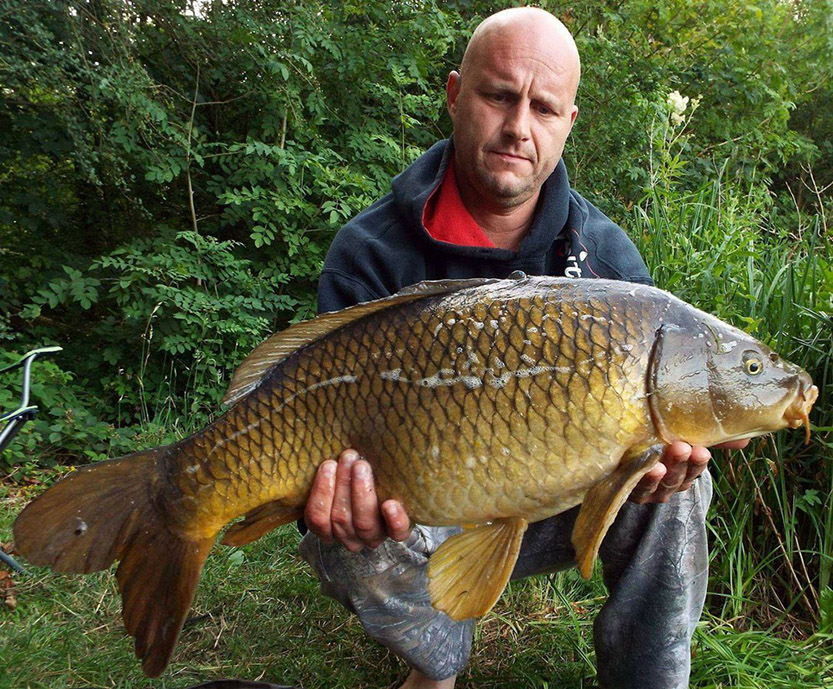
<point>513,104</point>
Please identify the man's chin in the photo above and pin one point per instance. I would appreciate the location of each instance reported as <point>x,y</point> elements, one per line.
<point>509,195</point>
<point>505,191</point>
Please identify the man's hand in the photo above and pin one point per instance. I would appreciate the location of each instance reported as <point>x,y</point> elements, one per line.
<point>681,463</point>
<point>343,506</point>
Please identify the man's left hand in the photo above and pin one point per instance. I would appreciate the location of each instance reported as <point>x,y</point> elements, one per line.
<point>681,463</point>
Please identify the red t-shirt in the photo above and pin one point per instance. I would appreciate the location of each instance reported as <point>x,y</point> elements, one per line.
<point>446,218</point>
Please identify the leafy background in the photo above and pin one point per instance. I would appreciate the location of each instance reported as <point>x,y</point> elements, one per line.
<point>172,173</point>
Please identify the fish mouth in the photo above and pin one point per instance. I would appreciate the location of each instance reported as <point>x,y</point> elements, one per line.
<point>797,414</point>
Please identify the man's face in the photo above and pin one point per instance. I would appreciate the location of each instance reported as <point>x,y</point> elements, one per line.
<point>512,111</point>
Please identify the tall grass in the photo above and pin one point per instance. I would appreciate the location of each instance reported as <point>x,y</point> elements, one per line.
<point>773,511</point>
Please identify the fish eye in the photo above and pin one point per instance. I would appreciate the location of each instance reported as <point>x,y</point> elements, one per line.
<point>753,363</point>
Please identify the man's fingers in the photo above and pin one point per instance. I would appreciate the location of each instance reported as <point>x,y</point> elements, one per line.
<point>675,458</point>
<point>697,463</point>
<point>320,502</point>
<point>396,520</point>
<point>648,484</point>
<point>680,465</point>
<point>365,506</point>
<point>342,513</point>
<point>343,506</point>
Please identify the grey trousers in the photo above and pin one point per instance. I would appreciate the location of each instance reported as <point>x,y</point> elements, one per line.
<point>654,562</point>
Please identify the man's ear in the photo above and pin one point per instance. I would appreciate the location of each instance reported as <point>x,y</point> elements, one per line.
<point>573,116</point>
<point>452,90</point>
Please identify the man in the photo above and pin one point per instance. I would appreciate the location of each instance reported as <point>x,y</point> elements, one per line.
<point>493,200</point>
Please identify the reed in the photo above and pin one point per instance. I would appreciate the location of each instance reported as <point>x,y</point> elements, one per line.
<point>772,514</point>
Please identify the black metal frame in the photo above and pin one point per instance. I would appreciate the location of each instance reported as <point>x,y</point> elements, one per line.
<point>25,412</point>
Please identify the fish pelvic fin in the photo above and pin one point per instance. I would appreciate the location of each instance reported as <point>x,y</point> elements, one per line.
<point>261,521</point>
<point>603,502</point>
<point>469,571</point>
<point>106,512</point>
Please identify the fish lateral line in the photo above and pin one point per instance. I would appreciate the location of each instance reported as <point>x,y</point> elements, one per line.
<point>471,381</point>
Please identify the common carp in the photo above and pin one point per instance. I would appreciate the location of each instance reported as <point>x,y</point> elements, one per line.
<point>485,403</point>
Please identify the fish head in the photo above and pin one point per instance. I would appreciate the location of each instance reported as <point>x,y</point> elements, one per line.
<point>710,383</point>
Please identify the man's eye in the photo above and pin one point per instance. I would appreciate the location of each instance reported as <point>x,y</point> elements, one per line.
<point>498,97</point>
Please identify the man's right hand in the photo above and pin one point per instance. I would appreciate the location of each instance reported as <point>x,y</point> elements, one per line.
<point>343,506</point>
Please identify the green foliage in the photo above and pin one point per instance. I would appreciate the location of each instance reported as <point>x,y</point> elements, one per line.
<point>826,623</point>
<point>172,173</point>
<point>65,428</point>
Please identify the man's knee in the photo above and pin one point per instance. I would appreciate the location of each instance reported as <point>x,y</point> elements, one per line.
<point>387,589</point>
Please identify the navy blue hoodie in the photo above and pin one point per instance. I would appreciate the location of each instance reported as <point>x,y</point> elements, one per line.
<point>386,247</point>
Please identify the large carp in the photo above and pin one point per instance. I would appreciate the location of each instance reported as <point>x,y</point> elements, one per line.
<point>485,403</point>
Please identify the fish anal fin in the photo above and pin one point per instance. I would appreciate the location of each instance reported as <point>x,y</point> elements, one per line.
<point>470,570</point>
<point>603,502</point>
<point>261,521</point>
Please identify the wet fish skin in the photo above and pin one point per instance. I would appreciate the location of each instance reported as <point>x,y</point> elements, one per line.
<point>495,404</point>
<point>489,412</point>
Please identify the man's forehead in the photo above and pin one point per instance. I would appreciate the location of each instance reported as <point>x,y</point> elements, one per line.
<point>509,61</point>
<point>512,68</point>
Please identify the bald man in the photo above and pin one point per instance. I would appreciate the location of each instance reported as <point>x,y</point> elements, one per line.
<point>492,200</point>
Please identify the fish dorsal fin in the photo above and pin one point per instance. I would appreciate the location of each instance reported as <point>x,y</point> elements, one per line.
<point>431,287</point>
<point>469,571</point>
<point>278,347</point>
<point>603,502</point>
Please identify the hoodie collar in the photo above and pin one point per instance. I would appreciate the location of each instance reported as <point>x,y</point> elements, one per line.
<point>412,188</point>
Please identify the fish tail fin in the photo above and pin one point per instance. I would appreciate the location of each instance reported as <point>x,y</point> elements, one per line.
<point>157,580</point>
<point>106,512</point>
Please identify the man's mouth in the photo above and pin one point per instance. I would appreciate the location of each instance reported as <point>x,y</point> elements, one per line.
<point>510,157</point>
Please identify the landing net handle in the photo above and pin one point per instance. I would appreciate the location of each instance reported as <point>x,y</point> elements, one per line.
<point>14,420</point>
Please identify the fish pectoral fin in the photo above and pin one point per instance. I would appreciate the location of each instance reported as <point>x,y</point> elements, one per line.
<point>603,502</point>
<point>469,571</point>
<point>261,521</point>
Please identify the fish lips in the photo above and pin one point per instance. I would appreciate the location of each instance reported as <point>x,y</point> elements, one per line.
<point>797,414</point>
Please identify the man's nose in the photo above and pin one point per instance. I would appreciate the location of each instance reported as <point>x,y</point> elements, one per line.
<point>517,123</point>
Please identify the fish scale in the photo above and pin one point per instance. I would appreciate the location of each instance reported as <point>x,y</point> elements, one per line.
<point>484,403</point>
<point>471,407</point>
<point>441,391</point>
